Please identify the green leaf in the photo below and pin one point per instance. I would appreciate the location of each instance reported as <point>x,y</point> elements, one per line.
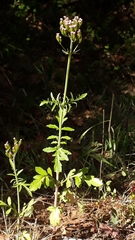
<point>96,182</point>
<point>12,164</point>
<point>52,137</point>
<point>36,184</point>
<point>64,120</point>
<point>71,173</point>
<point>84,133</point>
<point>54,106</point>
<point>66,151</point>
<point>8,211</point>
<point>99,158</point>
<point>28,190</point>
<point>9,201</point>
<point>40,171</point>
<point>55,217</point>
<point>49,149</point>
<point>25,236</point>
<point>51,208</point>
<point>58,119</point>
<point>43,102</point>
<point>81,97</point>
<point>57,165</point>
<point>66,137</point>
<point>27,209</point>
<point>68,183</point>
<point>49,171</point>
<point>3,204</point>
<point>47,181</point>
<point>53,126</point>
<point>62,142</point>
<point>123,173</point>
<point>19,172</point>
<point>52,97</point>
<point>77,181</point>
<point>68,129</point>
<point>10,174</point>
<point>54,142</point>
<point>63,156</point>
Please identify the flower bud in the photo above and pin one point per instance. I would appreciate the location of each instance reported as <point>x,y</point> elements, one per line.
<point>80,21</point>
<point>73,28</point>
<point>79,36</point>
<point>63,30</point>
<point>15,141</point>
<point>8,154</point>
<point>66,18</point>
<point>58,38</point>
<point>61,21</point>
<point>7,146</point>
<point>73,36</point>
<point>66,24</point>
<point>15,148</point>
<point>20,142</point>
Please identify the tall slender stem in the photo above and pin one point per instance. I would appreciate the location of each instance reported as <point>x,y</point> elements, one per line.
<point>57,174</point>
<point>67,71</point>
<point>61,117</point>
<point>18,194</point>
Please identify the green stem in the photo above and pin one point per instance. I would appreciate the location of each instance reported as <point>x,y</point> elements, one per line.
<point>57,174</point>
<point>18,195</point>
<point>61,117</point>
<point>67,71</point>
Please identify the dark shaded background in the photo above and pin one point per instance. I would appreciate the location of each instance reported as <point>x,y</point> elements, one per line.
<point>32,65</point>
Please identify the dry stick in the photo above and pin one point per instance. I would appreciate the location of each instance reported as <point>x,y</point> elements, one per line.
<point>103,143</point>
<point>110,119</point>
<point>111,149</point>
<point>2,70</point>
<point>102,152</point>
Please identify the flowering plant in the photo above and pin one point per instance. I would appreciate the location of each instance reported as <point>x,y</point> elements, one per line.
<point>71,29</point>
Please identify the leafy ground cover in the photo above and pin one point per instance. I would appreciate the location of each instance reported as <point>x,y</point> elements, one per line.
<point>109,218</point>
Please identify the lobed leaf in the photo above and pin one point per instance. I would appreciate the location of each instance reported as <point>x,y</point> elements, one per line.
<point>40,171</point>
<point>55,217</point>
<point>71,173</point>
<point>36,184</point>
<point>57,165</point>
<point>81,97</point>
